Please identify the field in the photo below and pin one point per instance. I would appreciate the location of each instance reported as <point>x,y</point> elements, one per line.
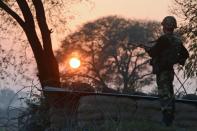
<point>124,114</point>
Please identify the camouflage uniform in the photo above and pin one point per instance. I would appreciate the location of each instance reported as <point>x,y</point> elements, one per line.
<point>165,76</point>
<point>166,94</point>
<point>167,51</point>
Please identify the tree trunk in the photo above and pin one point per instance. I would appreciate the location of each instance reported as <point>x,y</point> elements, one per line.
<point>48,73</point>
<point>48,70</point>
<point>125,87</point>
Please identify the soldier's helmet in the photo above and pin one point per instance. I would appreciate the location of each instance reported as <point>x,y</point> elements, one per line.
<point>169,22</point>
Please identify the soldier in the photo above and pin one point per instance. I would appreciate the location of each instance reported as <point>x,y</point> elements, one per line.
<point>167,51</point>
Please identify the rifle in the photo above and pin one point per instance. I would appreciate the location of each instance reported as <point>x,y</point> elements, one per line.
<point>152,62</point>
<point>146,46</point>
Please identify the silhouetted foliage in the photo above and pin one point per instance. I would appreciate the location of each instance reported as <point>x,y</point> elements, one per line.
<point>186,10</point>
<point>14,66</point>
<point>109,50</point>
<point>36,18</point>
<point>35,117</point>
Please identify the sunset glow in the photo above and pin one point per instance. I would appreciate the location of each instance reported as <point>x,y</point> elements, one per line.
<point>74,62</point>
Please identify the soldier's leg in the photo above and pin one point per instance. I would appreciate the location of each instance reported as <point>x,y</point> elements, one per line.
<point>166,93</point>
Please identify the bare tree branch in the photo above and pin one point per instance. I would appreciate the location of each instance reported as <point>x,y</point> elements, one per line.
<point>26,13</point>
<point>12,13</point>
<point>41,18</point>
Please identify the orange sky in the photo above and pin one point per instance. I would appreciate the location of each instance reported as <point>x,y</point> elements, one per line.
<point>134,9</point>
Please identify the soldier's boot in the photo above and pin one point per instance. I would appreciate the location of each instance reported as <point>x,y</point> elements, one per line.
<point>168,118</point>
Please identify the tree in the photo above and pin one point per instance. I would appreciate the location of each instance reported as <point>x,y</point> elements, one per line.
<point>42,50</point>
<point>14,69</point>
<point>110,53</point>
<point>33,16</point>
<point>186,11</point>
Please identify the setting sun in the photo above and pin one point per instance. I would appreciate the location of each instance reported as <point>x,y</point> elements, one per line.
<point>74,62</point>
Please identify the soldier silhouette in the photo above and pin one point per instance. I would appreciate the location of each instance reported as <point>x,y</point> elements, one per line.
<point>167,51</point>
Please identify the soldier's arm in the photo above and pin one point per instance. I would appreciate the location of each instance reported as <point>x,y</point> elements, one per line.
<point>161,44</point>
<point>184,55</point>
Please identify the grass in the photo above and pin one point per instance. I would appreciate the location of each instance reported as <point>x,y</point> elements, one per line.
<point>123,114</point>
<point>137,125</point>
<point>2,129</point>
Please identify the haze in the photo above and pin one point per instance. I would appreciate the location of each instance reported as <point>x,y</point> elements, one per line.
<point>132,9</point>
